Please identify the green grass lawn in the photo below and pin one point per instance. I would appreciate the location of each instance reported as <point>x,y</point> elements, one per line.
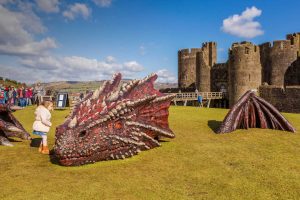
<point>197,164</point>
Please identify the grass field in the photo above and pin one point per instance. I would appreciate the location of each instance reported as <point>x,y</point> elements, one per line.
<point>197,164</point>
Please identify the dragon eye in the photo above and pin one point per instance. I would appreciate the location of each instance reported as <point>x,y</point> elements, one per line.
<point>118,125</point>
<point>82,133</point>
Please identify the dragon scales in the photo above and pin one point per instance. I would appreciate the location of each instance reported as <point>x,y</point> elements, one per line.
<point>252,111</point>
<point>114,123</point>
<point>10,126</point>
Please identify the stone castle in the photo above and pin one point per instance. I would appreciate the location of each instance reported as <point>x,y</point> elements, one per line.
<point>260,67</point>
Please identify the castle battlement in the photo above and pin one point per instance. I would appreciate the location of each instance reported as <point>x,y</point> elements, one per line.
<point>208,44</point>
<point>279,45</point>
<point>295,38</point>
<point>189,51</point>
<point>244,48</point>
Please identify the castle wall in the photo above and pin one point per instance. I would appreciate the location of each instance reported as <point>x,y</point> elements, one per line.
<point>248,67</point>
<point>187,67</point>
<point>265,61</point>
<point>205,60</point>
<point>244,70</point>
<point>292,74</point>
<point>287,100</point>
<point>219,77</point>
<point>282,55</point>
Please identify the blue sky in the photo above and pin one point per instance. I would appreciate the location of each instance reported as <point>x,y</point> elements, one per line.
<point>52,40</point>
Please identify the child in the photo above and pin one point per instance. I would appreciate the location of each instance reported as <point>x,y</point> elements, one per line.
<point>42,124</point>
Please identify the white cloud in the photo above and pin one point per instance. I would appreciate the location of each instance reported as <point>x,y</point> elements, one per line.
<point>17,29</point>
<point>42,63</point>
<point>75,68</point>
<point>48,6</point>
<point>133,66</point>
<point>103,3</point>
<point>164,76</point>
<point>32,48</point>
<point>110,59</point>
<point>21,74</point>
<point>76,10</point>
<point>244,25</point>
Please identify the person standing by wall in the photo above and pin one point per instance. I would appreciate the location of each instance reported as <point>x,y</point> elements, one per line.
<point>26,97</point>
<point>39,91</point>
<point>81,96</point>
<point>42,124</point>
<point>2,96</point>
<point>10,95</point>
<point>29,96</point>
<point>6,95</point>
<point>21,95</point>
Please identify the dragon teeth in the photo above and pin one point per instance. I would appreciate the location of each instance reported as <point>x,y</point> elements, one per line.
<point>111,114</point>
<point>88,103</point>
<point>114,111</point>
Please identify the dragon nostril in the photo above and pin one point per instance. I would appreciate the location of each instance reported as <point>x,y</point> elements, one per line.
<point>82,133</point>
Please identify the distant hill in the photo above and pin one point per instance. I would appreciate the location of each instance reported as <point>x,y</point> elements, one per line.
<point>83,86</point>
<point>8,82</point>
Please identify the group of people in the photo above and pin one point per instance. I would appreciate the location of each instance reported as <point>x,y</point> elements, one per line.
<point>21,96</point>
<point>26,96</point>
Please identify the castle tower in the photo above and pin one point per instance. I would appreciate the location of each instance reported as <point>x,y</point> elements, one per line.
<point>187,67</point>
<point>282,55</point>
<point>244,70</point>
<point>205,60</point>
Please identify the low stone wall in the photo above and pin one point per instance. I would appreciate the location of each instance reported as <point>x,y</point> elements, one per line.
<point>285,100</point>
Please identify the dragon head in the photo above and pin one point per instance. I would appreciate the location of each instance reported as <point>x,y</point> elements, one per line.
<point>10,126</point>
<point>114,123</point>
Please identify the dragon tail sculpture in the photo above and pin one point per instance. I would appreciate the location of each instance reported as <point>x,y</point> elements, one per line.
<point>10,126</point>
<point>252,111</point>
<point>114,123</point>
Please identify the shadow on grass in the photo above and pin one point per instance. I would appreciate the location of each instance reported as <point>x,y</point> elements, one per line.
<point>13,140</point>
<point>53,158</point>
<point>214,125</point>
<point>161,140</point>
<point>35,142</point>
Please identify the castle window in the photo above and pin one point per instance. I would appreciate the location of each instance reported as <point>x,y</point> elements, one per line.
<point>249,77</point>
<point>246,50</point>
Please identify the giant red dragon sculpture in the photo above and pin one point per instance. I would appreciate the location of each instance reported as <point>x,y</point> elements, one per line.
<point>10,126</point>
<point>252,111</point>
<point>114,123</point>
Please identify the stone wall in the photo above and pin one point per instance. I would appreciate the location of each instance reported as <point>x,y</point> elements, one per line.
<point>285,100</point>
<point>194,66</point>
<point>219,77</point>
<point>187,67</point>
<point>205,60</point>
<point>282,55</point>
<point>265,60</point>
<point>292,74</point>
<point>244,70</point>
